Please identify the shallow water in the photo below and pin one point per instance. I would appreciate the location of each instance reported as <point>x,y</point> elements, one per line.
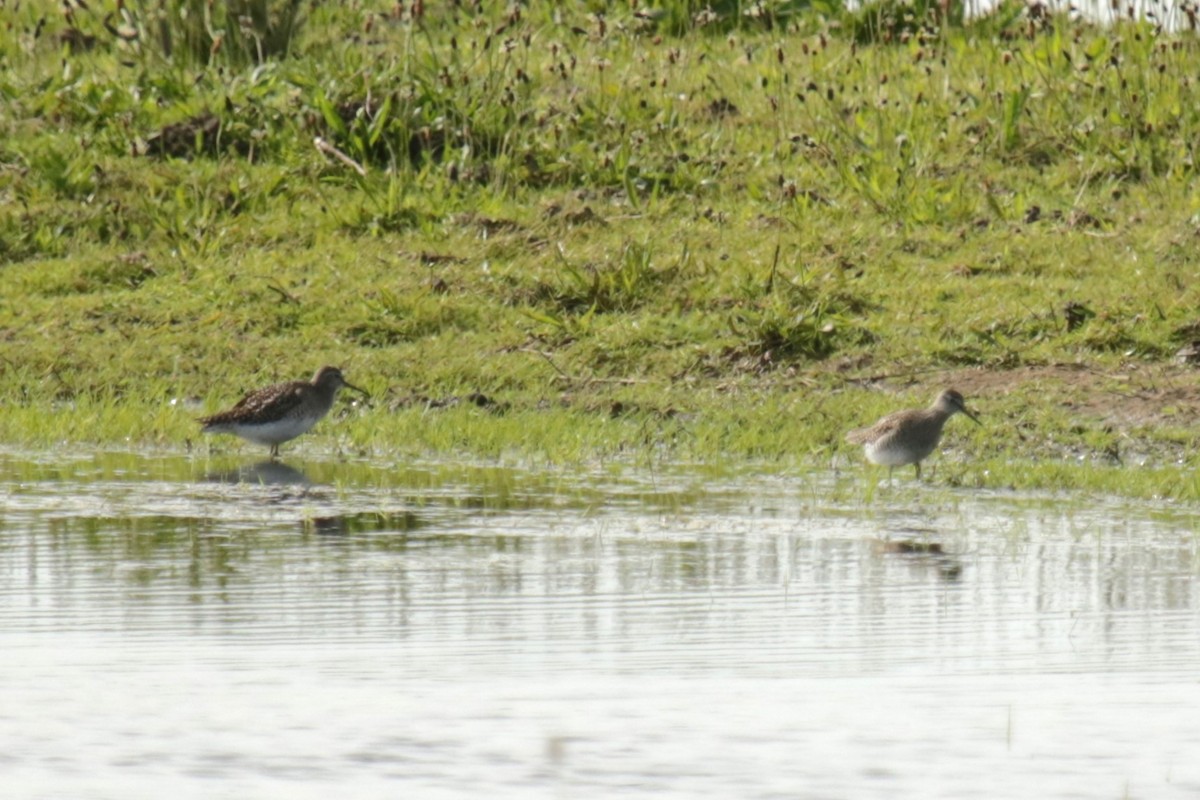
<point>201,628</point>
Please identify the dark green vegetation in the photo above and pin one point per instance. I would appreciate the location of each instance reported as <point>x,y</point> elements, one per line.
<point>691,233</point>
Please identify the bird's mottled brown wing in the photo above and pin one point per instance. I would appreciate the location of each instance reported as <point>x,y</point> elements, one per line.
<point>879,430</point>
<point>266,405</point>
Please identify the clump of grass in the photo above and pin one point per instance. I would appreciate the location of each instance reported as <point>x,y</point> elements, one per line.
<point>889,21</point>
<point>196,32</point>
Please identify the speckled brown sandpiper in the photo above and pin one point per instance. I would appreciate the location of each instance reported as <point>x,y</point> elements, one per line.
<point>278,413</point>
<point>907,437</point>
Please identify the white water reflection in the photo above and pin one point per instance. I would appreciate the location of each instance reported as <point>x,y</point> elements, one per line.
<point>443,631</point>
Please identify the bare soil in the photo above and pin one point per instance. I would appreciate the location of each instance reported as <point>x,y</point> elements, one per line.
<point>1133,396</point>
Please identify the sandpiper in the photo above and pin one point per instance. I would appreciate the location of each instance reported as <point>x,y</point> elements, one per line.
<point>281,412</point>
<point>907,437</point>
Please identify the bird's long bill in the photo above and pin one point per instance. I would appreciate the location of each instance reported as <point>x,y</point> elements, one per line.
<point>349,385</point>
<point>971,415</point>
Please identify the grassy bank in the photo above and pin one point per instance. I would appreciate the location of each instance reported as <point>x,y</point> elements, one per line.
<point>554,233</point>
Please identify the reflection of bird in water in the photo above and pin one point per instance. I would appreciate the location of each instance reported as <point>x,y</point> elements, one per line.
<point>925,553</point>
<point>266,473</point>
<point>278,413</point>
<point>907,437</point>
<point>395,524</point>
<point>908,547</point>
<point>326,526</point>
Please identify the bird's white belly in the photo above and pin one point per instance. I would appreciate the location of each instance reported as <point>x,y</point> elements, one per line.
<point>271,433</point>
<point>895,455</point>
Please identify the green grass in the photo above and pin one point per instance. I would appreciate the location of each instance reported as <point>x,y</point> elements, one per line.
<point>643,236</point>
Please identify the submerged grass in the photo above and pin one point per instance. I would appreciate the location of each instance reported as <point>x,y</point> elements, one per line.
<point>696,233</point>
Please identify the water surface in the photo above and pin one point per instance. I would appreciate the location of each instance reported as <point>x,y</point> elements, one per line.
<point>205,628</point>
